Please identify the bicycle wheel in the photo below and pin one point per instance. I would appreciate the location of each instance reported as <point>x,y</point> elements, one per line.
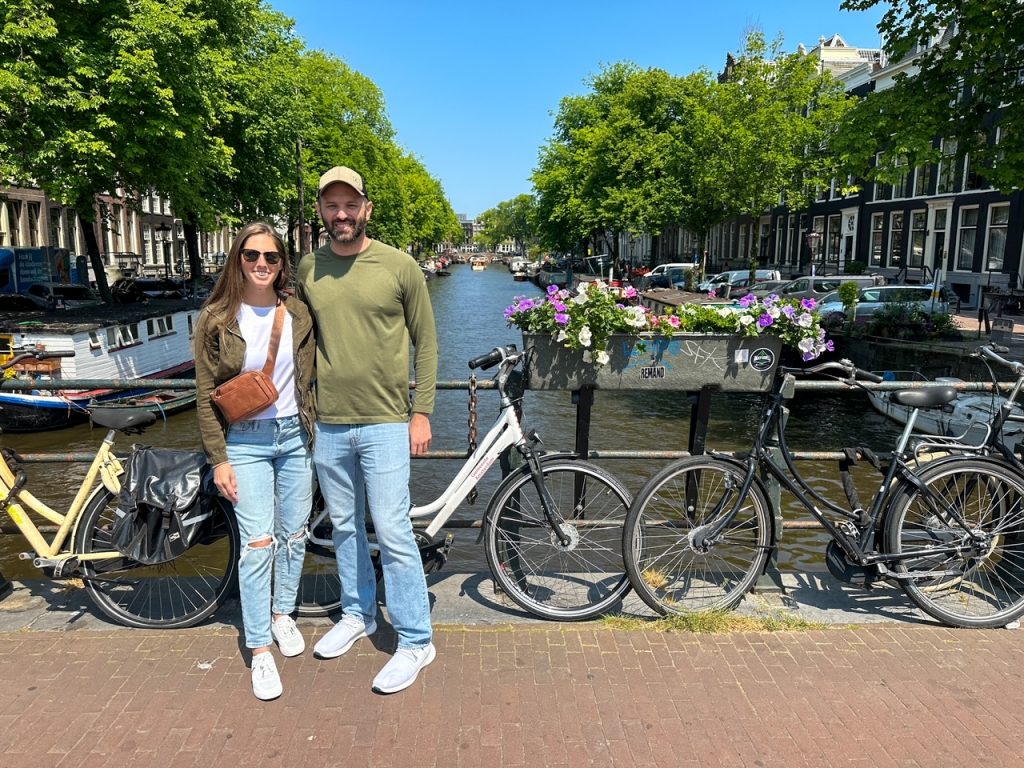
<point>562,582</point>
<point>670,570</point>
<point>171,595</point>
<point>976,506</point>
<point>319,586</point>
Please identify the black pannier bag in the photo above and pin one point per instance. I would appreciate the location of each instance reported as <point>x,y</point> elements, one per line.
<point>162,508</point>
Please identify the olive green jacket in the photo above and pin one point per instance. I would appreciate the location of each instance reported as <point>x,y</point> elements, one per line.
<point>220,354</point>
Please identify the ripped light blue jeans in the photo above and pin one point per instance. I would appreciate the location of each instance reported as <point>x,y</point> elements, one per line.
<point>274,470</point>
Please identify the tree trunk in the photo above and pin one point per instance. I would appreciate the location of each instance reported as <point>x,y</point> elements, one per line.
<point>195,262</point>
<point>92,247</point>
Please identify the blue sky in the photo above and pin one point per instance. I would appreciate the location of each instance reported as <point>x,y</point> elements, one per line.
<point>472,87</point>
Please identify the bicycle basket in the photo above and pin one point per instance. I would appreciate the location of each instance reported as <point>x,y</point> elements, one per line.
<point>160,509</point>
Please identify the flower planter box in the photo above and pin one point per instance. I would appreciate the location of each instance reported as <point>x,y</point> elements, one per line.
<point>686,362</point>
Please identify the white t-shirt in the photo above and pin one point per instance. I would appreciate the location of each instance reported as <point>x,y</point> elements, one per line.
<point>256,323</point>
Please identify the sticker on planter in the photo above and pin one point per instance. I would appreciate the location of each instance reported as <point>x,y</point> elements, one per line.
<point>651,372</point>
<point>742,356</point>
<point>762,359</point>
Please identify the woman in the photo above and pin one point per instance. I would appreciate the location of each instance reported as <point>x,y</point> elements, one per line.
<point>261,465</point>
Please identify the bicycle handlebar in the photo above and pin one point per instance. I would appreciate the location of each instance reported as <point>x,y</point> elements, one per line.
<point>991,351</point>
<point>852,372</point>
<point>493,357</point>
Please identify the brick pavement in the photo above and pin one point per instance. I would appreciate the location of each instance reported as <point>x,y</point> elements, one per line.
<point>521,695</point>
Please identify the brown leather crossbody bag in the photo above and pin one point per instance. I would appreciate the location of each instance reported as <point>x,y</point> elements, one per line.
<point>243,396</point>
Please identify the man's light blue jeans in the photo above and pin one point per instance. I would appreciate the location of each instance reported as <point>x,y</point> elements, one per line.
<point>274,470</point>
<point>360,465</point>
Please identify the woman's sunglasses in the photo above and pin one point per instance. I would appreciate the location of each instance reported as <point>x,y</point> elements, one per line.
<point>252,256</point>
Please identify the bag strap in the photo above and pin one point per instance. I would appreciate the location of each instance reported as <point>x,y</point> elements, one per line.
<point>275,339</point>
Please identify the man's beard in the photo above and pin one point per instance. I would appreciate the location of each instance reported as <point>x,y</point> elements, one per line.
<point>358,227</point>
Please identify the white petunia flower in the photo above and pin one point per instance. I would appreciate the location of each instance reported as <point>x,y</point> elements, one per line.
<point>603,358</point>
<point>585,336</point>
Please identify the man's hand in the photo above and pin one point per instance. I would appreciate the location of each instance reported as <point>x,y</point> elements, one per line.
<point>419,434</point>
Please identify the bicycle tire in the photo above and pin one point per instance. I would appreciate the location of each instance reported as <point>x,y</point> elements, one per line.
<point>319,586</point>
<point>172,595</point>
<point>530,565</point>
<point>983,585</point>
<point>671,575</point>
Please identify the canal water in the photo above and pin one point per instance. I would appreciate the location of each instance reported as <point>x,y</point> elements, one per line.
<point>468,308</point>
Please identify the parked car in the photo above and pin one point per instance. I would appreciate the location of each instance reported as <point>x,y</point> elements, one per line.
<point>733,275</point>
<point>817,287</point>
<point>768,287</point>
<point>870,300</point>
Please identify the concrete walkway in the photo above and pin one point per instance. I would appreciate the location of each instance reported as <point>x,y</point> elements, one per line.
<point>879,686</point>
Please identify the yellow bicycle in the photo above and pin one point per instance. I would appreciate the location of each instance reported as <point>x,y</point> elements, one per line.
<point>177,593</point>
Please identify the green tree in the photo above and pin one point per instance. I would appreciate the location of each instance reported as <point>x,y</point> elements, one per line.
<point>960,86</point>
<point>430,219</point>
<point>513,220</point>
<point>774,114</point>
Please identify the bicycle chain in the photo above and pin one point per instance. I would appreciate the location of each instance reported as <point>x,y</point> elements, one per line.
<point>472,428</point>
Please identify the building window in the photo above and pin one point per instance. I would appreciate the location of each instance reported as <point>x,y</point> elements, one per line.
<point>947,168</point>
<point>160,326</point>
<point>882,191</point>
<point>896,239</point>
<point>877,238</point>
<point>965,244</point>
<point>793,244</point>
<point>995,247</point>
<point>34,210</point>
<point>923,180</point>
<point>918,220</point>
<point>780,231</point>
<point>834,236</point>
<point>904,182</point>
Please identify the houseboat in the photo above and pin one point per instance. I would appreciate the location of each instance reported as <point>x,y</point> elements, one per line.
<point>129,341</point>
<point>479,263</point>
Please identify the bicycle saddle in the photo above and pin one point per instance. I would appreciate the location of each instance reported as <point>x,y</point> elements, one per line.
<point>122,419</point>
<point>929,397</point>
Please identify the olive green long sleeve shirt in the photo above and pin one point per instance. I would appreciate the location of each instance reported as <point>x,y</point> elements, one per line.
<point>368,308</point>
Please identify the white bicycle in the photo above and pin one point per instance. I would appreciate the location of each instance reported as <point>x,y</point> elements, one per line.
<point>552,530</point>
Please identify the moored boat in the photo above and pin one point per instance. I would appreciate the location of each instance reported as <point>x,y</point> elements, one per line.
<point>479,263</point>
<point>122,342</point>
<point>162,402</point>
<point>966,418</point>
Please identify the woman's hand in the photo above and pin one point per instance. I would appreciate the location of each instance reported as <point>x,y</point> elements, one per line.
<point>226,482</point>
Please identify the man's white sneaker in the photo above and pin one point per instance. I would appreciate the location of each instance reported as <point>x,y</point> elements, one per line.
<point>399,673</point>
<point>287,636</point>
<point>342,635</point>
<point>266,683</point>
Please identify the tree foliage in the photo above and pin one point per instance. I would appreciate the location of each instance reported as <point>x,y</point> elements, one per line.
<point>645,149</point>
<point>513,220</point>
<point>204,101</point>
<point>975,73</point>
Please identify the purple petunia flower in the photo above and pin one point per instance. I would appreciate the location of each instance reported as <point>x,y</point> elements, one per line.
<point>552,289</point>
<point>748,300</point>
<point>765,320</point>
<point>558,305</point>
<point>808,304</point>
<point>561,318</point>
<point>789,311</point>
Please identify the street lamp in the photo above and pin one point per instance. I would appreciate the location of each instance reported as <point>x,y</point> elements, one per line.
<point>165,237</point>
<point>813,240</point>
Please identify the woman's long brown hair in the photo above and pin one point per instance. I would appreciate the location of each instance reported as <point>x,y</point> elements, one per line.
<point>226,297</point>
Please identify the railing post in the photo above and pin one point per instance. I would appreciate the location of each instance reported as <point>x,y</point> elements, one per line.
<point>700,411</point>
<point>771,579</point>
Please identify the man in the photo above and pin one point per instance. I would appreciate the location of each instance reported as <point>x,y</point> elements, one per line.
<point>369,301</point>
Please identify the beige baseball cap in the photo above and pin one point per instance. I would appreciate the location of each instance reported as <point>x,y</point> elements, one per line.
<point>344,175</point>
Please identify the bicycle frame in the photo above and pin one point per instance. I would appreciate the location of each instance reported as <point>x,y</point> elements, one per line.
<point>856,536</point>
<point>105,466</point>
<point>505,432</point>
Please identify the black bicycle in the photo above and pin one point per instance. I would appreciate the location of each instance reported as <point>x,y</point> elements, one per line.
<point>950,531</point>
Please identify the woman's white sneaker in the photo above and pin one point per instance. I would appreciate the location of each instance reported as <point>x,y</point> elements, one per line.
<point>399,673</point>
<point>266,682</point>
<point>287,636</point>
